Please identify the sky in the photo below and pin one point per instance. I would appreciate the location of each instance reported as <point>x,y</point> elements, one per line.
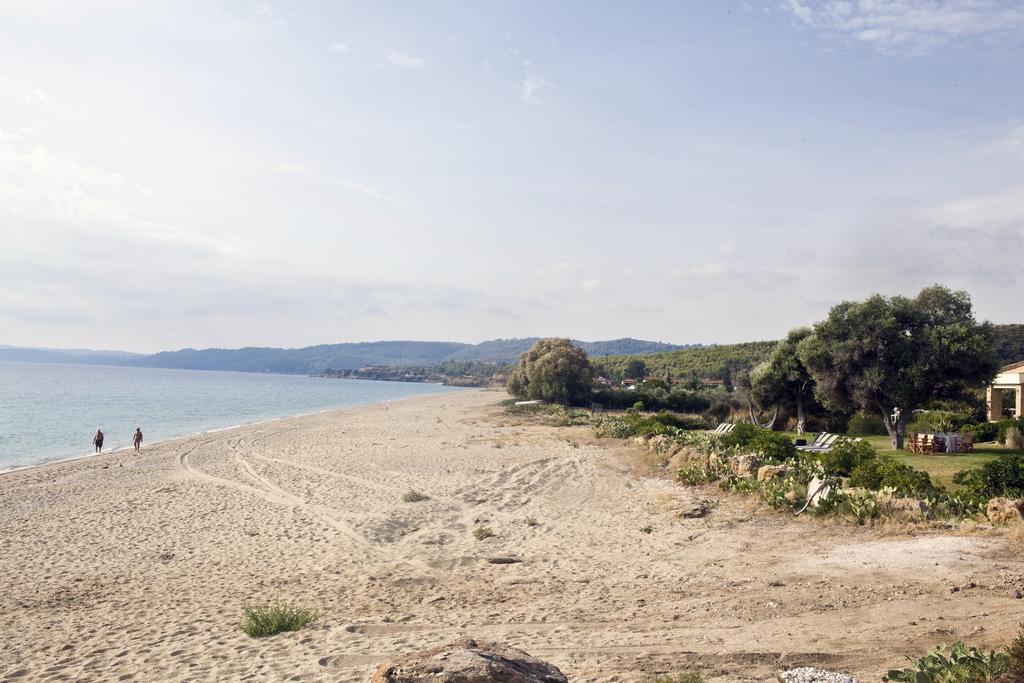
<point>268,173</point>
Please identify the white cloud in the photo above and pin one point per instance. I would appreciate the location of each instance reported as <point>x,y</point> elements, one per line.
<point>337,47</point>
<point>42,97</point>
<point>708,269</point>
<point>404,60</point>
<point>916,26</point>
<point>591,285</point>
<point>290,169</point>
<point>533,85</point>
<point>358,188</point>
<point>1012,142</point>
<point>987,212</point>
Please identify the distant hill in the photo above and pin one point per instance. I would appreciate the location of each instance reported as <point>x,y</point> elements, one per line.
<point>318,359</point>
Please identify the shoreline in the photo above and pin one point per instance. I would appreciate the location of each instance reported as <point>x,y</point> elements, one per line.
<point>192,435</point>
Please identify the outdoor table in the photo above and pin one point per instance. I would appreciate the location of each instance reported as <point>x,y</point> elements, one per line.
<point>953,440</point>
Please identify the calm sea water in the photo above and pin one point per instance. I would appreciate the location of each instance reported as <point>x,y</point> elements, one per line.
<point>51,411</point>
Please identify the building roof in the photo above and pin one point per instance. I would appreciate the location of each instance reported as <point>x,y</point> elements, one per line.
<point>1013,367</point>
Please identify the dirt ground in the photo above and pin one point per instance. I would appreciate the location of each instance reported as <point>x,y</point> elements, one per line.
<point>124,567</point>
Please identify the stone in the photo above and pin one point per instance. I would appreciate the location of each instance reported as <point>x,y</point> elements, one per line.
<point>1005,511</point>
<point>744,465</point>
<point>695,510</point>
<point>468,661</point>
<point>767,472</point>
<point>504,560</point>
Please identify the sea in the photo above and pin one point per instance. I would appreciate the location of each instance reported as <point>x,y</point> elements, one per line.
<point>51,411</point>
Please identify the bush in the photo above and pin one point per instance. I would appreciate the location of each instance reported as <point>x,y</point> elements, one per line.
<point>741,435</point>
<point>258,622</point>
<point>1015,670</point>
<point>772,446</point>
<point>983,432</point>
<point>863,423</point>
<point>414,497</point>
<point>1003,476</point>
<point>886,472</point>
<point>553,370</point>
<point>482,533</point>
<point>1005,425</point>
<point>844,456</point>
<point>1014,438</point>
<point>964,665</point>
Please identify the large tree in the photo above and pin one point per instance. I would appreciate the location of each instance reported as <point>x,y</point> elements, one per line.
<point>886,353</point>
<point>553,370</point>
<point>783,380</point>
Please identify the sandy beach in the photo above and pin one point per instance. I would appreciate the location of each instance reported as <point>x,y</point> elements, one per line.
<point>136,567</point>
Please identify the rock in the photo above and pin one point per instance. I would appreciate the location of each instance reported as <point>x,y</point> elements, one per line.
<point>695,510</point>
<point>657,443</point>
<point>1005,511</point>
<point>791,496</point>
<point>504,560</point>
<point>744,465</point>
<point>767,472</point>
<point>817,491</point>
<point>467,661</point>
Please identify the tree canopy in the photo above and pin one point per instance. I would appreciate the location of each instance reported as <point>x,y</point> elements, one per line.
<point>888,352</point>
<point>553,370</point>
<point>783,380</point>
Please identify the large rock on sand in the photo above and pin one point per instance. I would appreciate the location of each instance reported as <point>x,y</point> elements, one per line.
<point>768,472</point>
<point>744,465</point>
<point>1005,511</point>
<point>467,661</point>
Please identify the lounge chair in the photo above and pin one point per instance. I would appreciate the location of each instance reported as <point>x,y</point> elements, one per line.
<point>814,444</point>
<point>826,444</point>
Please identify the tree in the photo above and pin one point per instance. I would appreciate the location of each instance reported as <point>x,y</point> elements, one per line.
<point>636,369</point>
<point>783,380</point>
<point>553,370</point>
<point>885,353</point>
<point>727,380</point>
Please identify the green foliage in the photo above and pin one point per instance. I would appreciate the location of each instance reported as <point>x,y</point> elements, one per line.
<point>258,622</point>
<point>845,455</point>
<point>695,475</point>
<point>635,369</point>
<point>982,432</point>
<point>1009,343</point>
<point>773,446</point>
<point>698,362</point>
<point>896,351</point>
<point>640,424</point>
<point>646,529</point>
<point>553,370</point>
<point>963,665</point>
<point>684,677</point>
<point>939,421</point>
<point>741,435</point>
<point>886,472</point>
<point>414,497</point>
<point>863,423</point>
<point>783,380</point>
<point>1015,668</point>
<point>1003,426</point>
<point>482,533</point>
<point>1003,476</point>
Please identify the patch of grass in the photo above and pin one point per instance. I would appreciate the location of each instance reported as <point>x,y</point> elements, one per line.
<point>531,521</point>
<point>258,622</point>
<point>414,497</point>
<point>482,533</point>
<point>683,677</point>
<point>646,529</point>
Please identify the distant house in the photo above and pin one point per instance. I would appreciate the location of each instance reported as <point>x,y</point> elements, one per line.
<point>708,382</point>
<point>629,384</point>
<point>603,381</point>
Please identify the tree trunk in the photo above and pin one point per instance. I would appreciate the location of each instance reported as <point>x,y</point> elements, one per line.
<point>800,412</point>
<point>895,429</point>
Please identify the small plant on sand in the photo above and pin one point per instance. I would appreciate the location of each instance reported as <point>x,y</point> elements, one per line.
<point>482,533</point>
<point>531,521</point>
<point>1015,669</point>
<point>258,622</point>
<point>963,665</point>
<point>684,677</point>
<point>646,529</point>
<point>414,497</point>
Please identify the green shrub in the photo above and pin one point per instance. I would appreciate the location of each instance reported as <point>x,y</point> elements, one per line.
<point>684,677</point>
<point>1015,669</point>
<point>1004,425</point>
<point>482,533</point>
<point>963,665</point>
<point>741,435</point>
<point>1003,476</point>
<point>258,622</point>
<point>772,446</point>
<point>695,475</point>
<point>844,456</point>
<point>864,423</point>
<point>414,497</point>
<point>983,432</point>
<point>1014,438</point>
<point>886,472</point>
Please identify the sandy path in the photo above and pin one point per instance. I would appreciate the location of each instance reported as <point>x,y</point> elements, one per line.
<point>126,567</point>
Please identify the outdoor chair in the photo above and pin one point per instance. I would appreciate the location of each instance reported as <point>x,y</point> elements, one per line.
<point>927,444</point>
<point>912,443</point>
<point>967,443</point>
<point>825,446</point>
<point>939,444</point>
<point>814,444</point>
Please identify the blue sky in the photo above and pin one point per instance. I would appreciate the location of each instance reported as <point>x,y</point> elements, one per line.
<point>268,173</point>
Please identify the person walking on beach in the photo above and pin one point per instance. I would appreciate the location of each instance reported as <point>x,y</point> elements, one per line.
<point>98,440</point>
<point>138,439</point>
